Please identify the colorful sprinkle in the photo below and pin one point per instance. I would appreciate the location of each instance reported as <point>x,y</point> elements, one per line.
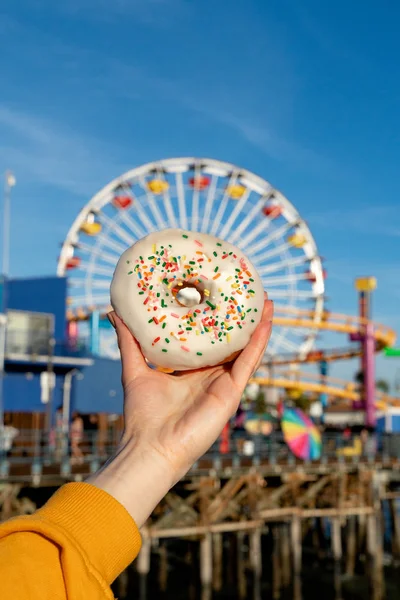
<point>218,315</point>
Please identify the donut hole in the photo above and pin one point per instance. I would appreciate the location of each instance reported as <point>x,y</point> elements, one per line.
<point>188,293</point>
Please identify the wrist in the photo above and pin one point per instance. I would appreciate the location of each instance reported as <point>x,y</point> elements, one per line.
<point>137,477</point>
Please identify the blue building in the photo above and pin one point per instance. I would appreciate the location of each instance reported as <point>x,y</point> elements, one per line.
<point>389,421</point>
<point>43,369</point>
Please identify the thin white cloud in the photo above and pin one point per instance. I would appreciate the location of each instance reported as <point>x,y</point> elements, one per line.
<point>49,153</point>
<point>219,106</point>
<point>215,100</point>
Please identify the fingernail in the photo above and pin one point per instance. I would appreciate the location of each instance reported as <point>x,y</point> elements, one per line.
<point>110,317</point>
<point>269,304</point>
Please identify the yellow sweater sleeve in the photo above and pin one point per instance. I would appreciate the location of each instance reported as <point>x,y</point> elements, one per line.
<point>73,548</point>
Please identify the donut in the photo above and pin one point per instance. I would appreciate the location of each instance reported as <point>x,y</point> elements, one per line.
<point>191,300</point>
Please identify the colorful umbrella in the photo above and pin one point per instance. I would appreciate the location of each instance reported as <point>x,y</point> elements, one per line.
<point>301,435</point>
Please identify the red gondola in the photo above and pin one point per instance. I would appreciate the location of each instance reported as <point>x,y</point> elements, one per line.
<point>313,278</point>
<point>199,182</point>
<point>73,263</point>
<point>122,202</point>
<point>273,211</point>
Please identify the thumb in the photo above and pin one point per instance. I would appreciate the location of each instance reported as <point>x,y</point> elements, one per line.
<point>133,362</point>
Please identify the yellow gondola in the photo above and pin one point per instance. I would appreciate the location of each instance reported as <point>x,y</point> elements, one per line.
<point>158,186</point>
<point>91,228</point>
<point>235,191</point>
<point>298,240</point>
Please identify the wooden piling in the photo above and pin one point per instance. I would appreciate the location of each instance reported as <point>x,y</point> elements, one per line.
<point>143,567</point>
<point>285,555</point>
<point>255,552</point>
<point>256,561</point>
<point>361,534</point>
<point>375,556</point>
<point>336,540</point>
<point>206,560</point>
<point>351,545</point>
<point>163,567</point>
<point>276,564</point>
<point>241,564</point>
<point>218,561</point>
<point>143,559</point>
<point>295,535</point>
<point>296,542</point>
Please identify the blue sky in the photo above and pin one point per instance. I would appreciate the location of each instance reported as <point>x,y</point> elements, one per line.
<point>305,94</point>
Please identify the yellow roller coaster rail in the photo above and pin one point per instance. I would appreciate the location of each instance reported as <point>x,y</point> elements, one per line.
<point>333,387</point>
<point>291,317</point>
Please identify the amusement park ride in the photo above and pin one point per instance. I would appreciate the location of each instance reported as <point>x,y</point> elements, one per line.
<point>232,203</point>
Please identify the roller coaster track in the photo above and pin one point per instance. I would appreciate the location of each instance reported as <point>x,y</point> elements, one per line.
<point>335,389</point>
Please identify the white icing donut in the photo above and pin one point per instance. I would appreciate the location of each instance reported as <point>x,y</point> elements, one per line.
<point>190,299</point>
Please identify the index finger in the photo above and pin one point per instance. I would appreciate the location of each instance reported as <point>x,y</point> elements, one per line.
<point>246,362</point>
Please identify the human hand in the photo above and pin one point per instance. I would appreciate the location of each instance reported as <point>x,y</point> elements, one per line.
<point>172,420</point>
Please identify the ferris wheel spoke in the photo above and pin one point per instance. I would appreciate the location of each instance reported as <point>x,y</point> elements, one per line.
<point>153,206</point>
<point>99,252</point>
<point>279,265</point>
<point>97,269</point>
<point>133,226</point>
<point>233,216</point>
<point>112,244</point>
<point>276,281</point>
<point>278,250</point>
<point>293,311</point>
<point>196,196</point>
<point>298,332</point>
<point>97,300</point>
<point>222,206</point>
<point>140,210</point>
<point>208,206</point>
<point>290,294</point>
<point>248,219</point>
<point>265,242</point>
<point>291,346</point>
<point>169,209</point>
<point>102,284</point>
<point>255,232</point>
<point>181,201</point>
<point>114,228</point>
<point>76,282</point>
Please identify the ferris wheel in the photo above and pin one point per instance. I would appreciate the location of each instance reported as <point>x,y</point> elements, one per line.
<point>204,195</point>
